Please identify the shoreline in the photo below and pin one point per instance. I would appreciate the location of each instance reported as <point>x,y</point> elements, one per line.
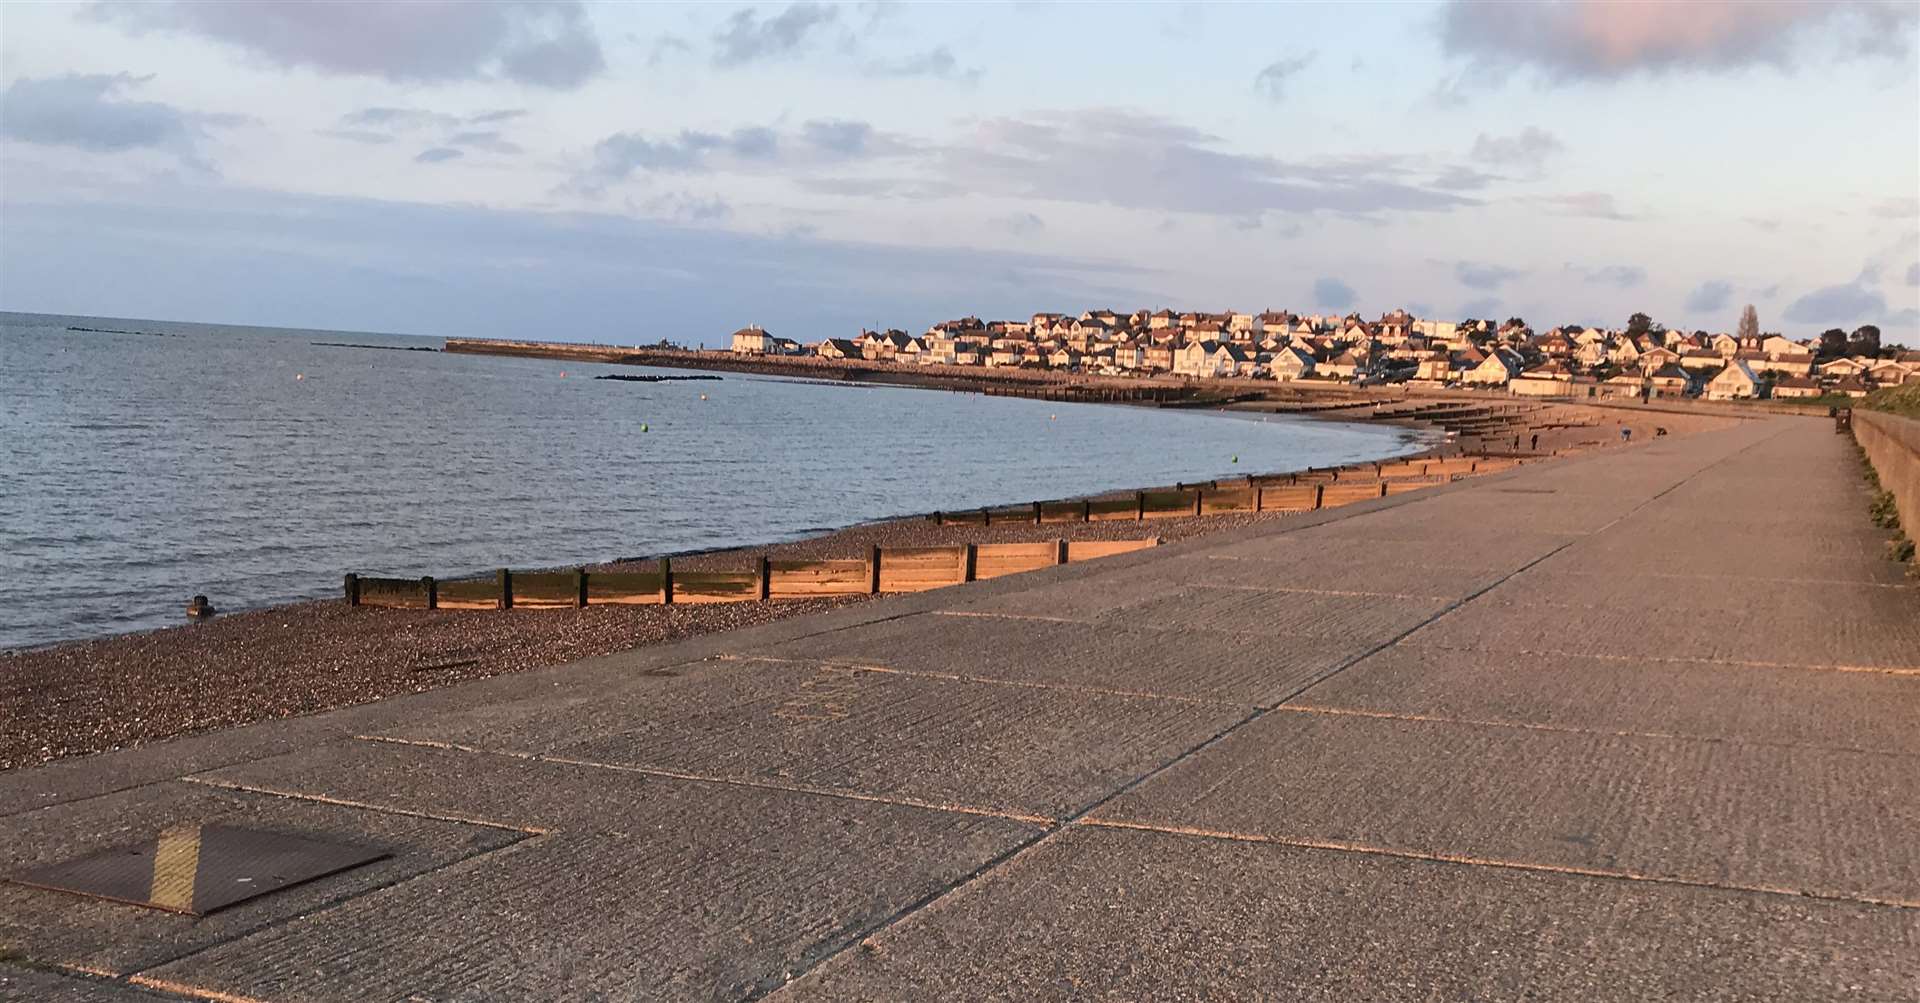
<point>88,696</point>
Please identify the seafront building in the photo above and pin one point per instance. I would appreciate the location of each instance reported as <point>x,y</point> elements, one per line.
<point>1395,348</point>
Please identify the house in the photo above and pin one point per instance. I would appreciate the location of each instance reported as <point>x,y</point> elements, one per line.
<point>1157,357</point>
<point>1704,360</point>
<point>751,340</point>
<point>1235,360</point>
<point>1499,368</point>
<point>1631,383</point>
<point>837,348</point>
<point>1843,367</point>
<point>1552,379</point>
<point>1736,382</point>
<point>1725,344</point>
<point>1670,381</point>
<point>1852,386</point>
<point>1195,358</point>
<point>1064,358</point>
<point>1128,357</point>
<point>785,346</point>
<point>1160,320</point>
<point>1344,366</point>
<point>1788,363</point>
<point>1776,346</point>
<point>1657,358</point>
<point>1886,373</point>
<point>1796,386</point>
<point>1290,363</point>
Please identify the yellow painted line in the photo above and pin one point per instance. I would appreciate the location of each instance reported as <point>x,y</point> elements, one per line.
<point>988,680</point>
<point>1898,670</point>
<point>1567,729</point>
<point>368,806</point>
<point>707,778</point>
<point>176,868</point>
<point>197,992</point>
<point>1343,846</point>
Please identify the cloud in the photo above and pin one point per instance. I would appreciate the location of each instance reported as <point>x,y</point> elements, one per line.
<point>623,153</point>
<point>746,38</point>
<point>1020,224</point>
<point>1710,296</point>
<point>1332,294</point>
<point>1837,305</point>
<point>1485,308</point>
<point>690,208</point>
<point>666,45</point>
<point>448,269</point>
<point>847,138</point>
<point>1592,205</point>
<point>1612,39</point>
<point>1475,276</point>
<point>1528,148</point>
<point>937,62</point>
<point>1618,276</point>
<point>1272,81</point>
<point>489,141</point>
<point>544,44</point>
<point>1913,274</point>
<point>496,116</point>
<point>438,155</point>
<point>1139,161</point>
<point>90,112</point>
<point>1896,208</point>
<point>1463,179</point>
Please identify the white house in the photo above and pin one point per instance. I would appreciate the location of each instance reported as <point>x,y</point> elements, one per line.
<point>1290,363</point>
<point>1734,382</point>
<point>751,340</point>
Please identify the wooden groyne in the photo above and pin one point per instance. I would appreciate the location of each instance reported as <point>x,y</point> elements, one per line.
<point>884,570</point>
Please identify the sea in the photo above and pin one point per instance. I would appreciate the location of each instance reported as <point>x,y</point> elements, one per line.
<point>143,462</point>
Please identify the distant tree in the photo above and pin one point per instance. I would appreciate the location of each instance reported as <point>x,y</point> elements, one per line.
<point>1833,342</point>
<point>1639,324</point>
<point>1749,323</point>
<point>1865,340</point>
<point>1516,322</point>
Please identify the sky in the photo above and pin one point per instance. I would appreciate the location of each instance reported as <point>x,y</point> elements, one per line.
<point>628,172</point>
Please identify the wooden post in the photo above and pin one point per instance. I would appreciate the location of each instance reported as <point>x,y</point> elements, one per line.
<point>580,588</point>
<point>1259,498</point>
<point>766,578</point>
<point>1060,551</point>
<point>666,581</point>
<point>1198,493</point>
<point>506,588</point>
<point>938,520</point>
<point>1139,506</point>
<point>432,589</point>
<point>1036,513</point>
<point>1383,489</point>
<point>352,589</point>
<point>873,571</point>
<point>986,517</point>
<point>1319,493</point>
<point>1086,510</point>
<point>972,561</point>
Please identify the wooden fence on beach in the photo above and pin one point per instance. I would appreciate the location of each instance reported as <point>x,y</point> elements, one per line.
<point>885,569</point>
<point>1305,491</point>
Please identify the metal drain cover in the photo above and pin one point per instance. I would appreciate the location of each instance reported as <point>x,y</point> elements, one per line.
<point>197,869</point>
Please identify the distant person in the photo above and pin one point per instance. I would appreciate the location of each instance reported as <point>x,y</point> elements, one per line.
<point>1534,443</point>
<point>1626,434</point>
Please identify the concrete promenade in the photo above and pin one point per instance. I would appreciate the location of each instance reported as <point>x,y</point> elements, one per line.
<point>1639,725</point>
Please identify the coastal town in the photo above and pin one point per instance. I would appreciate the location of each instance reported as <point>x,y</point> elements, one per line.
<point>1642,360</point>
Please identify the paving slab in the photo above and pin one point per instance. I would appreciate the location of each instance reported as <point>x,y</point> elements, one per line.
<point>1881,631</point>
<point>1364,619</point>
<point>30,985</point>
<point>60,928</point>
<point>1408,572</point>
<point>1863,711</point>
<point>1803,820</point>
<point>1232,666</point>
<point>647,887</point>
<point>1117,915</point>
<point>1036,750</point>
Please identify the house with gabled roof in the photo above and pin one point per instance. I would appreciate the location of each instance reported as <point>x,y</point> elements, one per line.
<point>1289,363</point>
<point>1736,382</point>
<point>1499,368</point>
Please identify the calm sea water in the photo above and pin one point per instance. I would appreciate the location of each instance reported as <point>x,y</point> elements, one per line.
<point>255,467</point>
